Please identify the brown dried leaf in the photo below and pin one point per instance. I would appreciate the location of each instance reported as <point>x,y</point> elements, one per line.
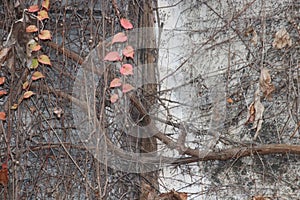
<point>265,83</point>
<point>282,39</point>
<point>173,195</point>
<point>251,32</point>
<point>3,54</point>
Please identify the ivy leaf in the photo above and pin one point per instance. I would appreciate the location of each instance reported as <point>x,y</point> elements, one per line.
<point>45,35</point>
<point>119,37</point>
<point>128,52</point>
<point>282,39</point>
<point>265,83</point>
<point>112,56</point>
<point>2,80</point>
<point>116,82</point>
<point>33,8</point>
<point>44,59</point>
<point>2,92</point>
<point>37,75</point>
<point>28,94</point>
<point>34,63</point>
<point>114,98</point>
<point>43,14</point>
<point>46,4</point>
<point>14,107</point>
<point>34,46</point>
<point>2,116</point>
<point>31,29</point>
<point>125,23</point>
<point>25,85</point>
<point>126,69</point>
<point>127,87</point>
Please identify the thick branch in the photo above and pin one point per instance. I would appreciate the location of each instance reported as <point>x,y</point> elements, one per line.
<point>239,152</point>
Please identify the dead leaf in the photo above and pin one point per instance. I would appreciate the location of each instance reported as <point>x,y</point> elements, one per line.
<point>4,175</point>
<point>252,32</point>
<point>265,83</point>
<point>2,116</point>
<point>3,54</point>
<point>58,112</point>
<point>282,39</point>
<point>229,100</point>
<point>173,195</point>
<point>2,80</point>
<point>3,92</point>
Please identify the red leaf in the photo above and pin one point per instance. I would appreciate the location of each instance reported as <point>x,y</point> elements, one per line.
<point>2,92</point>
<point>2,80</point>
<point>128,52</point>
<point>126,69</point>
<point>2,116</point>
<point>127,87</point>
<point>116,82</point>
<point>114,98</point>
<point>125,23</point>
<point>119,37</point>
<point>33,8</point>
<point>112,56</point>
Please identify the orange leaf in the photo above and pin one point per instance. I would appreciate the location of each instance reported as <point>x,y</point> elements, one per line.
<point>45,35</point>
<point>2,80</point>
<point>127,87</point>
<point>128,52</point>
<point>28,94</point>
<point>2,116</point>
<point>33,8</point>
<point>114,98</point>
<point>2,92</point>
<point>229,100</point>
<point>112,56</point>
<point>126,69</point>
<point>119,37</point>
<point>37,75</point>
<point>44,59</point>
<point>116,82</point>
<point>46,4</point>
<point>43,14</point>
<point>31,29</point>
<point>125,23</point>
